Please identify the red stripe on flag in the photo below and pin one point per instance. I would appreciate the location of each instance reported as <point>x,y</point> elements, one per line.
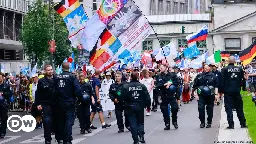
<point>61,9</point>
<point>203,37</point>
<point>101,60</point>
<point>105,37</point>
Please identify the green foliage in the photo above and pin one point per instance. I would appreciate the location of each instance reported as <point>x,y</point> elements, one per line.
<point>250,111</point>
<point>39,28</point>
<point>63,49</point>
<point>35,31</point>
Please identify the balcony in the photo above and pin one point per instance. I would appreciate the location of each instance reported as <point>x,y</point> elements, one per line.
<point>179,18</point>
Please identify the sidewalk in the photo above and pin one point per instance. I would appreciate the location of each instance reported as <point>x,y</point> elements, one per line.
<point>237,135</point>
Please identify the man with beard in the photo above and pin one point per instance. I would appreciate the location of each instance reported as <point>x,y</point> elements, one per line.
<point>45,102</point>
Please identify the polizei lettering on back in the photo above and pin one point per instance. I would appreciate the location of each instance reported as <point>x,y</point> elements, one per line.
<point>233,70</point>
<point>137,88</point>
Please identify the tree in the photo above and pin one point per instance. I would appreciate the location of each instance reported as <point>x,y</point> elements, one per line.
<point>63,49</point>
<point>35,32</point>
<point>38,29</point>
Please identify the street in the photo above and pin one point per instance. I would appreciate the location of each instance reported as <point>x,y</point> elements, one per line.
<point>188,132</point>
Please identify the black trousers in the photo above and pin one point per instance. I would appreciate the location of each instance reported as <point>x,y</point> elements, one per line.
<point>155,102</point>
<point>119,110</point>
<point>47,121</point>
<point>136,119</point>
<point>65,121</point>
<point>3,119</point>
<point>207,101</point>
<point>83,113</point>
<point>166,100</point>
<point>234,100</point>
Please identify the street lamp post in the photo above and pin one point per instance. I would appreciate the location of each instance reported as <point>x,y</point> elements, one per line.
<point>52,42</point>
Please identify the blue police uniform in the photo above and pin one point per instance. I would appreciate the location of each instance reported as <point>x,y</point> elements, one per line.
<point>205,84</point>
<point>233,78</point>
<point>44,96</point>
<point>168,98</point>
<point>4,98</point>
<point>119,107</point>
<point>67,90</point>
<point>84,108</point>
<point>219,81</point>
<point>136,97</point>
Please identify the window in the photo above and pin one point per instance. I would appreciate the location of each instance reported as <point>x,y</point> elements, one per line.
<point>175,7</point>
<point>27,6</point>
<point>182,43</point>
<point>233,43</point>
<point>19,5</point>
<point>14,4</point>
<point>253,39</point>
<point>9,4</point>
<point>152,7</point>
<point>160,7</point>
<point>182,8</point>
<point>164,42</point>
<point>201,44</point>
<point>147,45</point>
<point>94,5</point>
<point>24,5</point>
<point>168,7</point>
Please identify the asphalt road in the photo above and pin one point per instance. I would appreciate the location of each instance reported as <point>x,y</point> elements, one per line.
<point>188,132</point>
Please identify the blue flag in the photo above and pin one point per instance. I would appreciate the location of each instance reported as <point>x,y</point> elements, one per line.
<point>191,52</point>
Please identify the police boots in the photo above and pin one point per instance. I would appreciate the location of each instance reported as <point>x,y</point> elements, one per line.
<point>141,139</point>
<point>167,126</point>
<point>175,124</point>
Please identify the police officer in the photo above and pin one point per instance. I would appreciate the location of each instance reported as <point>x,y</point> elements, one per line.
<point>119,105</point>
<point>167,82</point>
<point>84,105</point>
<point>233,78</point>
<point>136,97</point>
<point>220,82</point>
<point>5,94</point>
<point>44,100</point>
<point>206,89</point>
<point>67,89</point>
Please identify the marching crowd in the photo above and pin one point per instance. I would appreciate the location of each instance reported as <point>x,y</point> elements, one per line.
<point>55,100</point>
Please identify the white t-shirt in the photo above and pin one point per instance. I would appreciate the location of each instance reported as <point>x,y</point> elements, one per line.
<point>147,83</point>
<point>34,88</point>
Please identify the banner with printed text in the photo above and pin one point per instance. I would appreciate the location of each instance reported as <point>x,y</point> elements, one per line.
<point>124,19</point>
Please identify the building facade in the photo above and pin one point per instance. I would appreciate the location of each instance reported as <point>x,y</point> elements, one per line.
<point>11,49</point>
<point>234,26</point>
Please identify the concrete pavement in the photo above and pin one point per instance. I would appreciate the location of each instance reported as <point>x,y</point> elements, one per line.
<point>188,132</point>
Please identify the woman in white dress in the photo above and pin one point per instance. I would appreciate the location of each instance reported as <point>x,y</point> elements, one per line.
<point>148,81</point>
<point>105,85</point>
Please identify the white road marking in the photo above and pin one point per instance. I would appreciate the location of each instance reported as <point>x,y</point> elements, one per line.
<point>35,139</point>
<point>100,129</point>
<point>76,141</point>
<point>237,134</point>
<point>10,138</point>
<point>151,132</point>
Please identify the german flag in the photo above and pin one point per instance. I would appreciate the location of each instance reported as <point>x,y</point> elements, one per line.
<point>248,54</point>
<point>225,55</point>
<point>65,7</point>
